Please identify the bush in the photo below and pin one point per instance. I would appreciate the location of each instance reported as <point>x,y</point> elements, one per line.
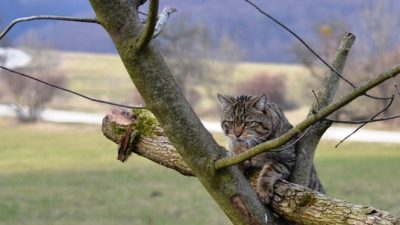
<point>31,97</point>
<point>273,85</point>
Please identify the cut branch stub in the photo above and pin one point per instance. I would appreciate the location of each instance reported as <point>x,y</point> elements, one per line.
<point>153,145</point>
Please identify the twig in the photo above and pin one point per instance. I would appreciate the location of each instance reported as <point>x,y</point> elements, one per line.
<point>142,13</point>
<point>309,121</point>
<point>46,17</point>
<point>162,20</point>
<point>397,90</point>
<point>295,141</point>
<point>310,49</point>
<point>366,122</point>
<point>316,99</point>
<point>362,121</point>
<point>67,90</point>
<point>148,32</point>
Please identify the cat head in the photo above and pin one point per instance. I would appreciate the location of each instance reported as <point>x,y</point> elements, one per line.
<point>246,118</point>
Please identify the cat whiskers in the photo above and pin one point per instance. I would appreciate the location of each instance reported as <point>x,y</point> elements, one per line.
<point>254,141</point>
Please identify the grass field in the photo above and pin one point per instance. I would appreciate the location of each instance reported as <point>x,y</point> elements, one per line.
<point>58,174</point>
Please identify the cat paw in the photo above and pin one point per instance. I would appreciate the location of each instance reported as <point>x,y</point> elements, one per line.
<point>247,164</point>
<point>264,196</point>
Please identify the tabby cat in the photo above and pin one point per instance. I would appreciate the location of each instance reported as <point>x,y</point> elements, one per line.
<point>250,120</point>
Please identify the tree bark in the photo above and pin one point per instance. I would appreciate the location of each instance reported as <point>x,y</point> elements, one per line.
<point>165,99</point>
<point>306,147</point>
<point>291,201</point>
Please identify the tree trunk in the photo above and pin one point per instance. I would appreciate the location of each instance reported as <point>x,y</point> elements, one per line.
<point>291,201</point>
<point>165,99</point>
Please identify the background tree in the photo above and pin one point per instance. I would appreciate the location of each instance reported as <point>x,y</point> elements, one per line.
<point>376,52</point>
<point>196,60</point>
<point>31,97</point>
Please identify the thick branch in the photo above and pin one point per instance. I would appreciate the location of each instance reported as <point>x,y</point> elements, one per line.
<point>302,126</point>
<point>149,28</point>
<point>45,17</point>
<point>165,99</point>
<point>306,147</point>
<point>291,201</point>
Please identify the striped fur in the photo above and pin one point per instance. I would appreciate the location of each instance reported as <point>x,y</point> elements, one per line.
<point>250,120</point>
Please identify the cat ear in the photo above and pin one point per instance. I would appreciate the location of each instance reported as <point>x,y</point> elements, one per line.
<point>225,100</point>
<point>260,102</point>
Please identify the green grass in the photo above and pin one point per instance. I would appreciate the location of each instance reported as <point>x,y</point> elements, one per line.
<point>69,175</point>
<point>366,173</point>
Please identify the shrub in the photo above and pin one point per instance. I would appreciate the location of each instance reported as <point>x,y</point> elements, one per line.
<point>273,85</point>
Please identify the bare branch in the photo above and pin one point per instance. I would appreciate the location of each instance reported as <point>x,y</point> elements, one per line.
<point>162,20</point>
<point>397,89</point>
<point>68,90</point>
<point>301,40</point>
<point>46,17</point>
<point>362,121</point>
<point>180,123</point>
<point>302,126</point>
<point>148,32</point>
<point>316,100</point>
<point>310,49</point>
<point>362,125</point>
<point>306,148</point>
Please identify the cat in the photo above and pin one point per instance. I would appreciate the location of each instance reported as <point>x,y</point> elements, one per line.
<point>250,120</point>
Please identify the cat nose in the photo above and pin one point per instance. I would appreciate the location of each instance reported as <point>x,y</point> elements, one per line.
<point>237,131</point>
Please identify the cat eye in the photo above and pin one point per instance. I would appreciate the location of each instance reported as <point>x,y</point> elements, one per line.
<point>250,123</point>
<point>228,123</point>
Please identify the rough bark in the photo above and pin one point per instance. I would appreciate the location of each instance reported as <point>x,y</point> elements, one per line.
<point>195,145</point>
<point>291,201</point>
<point>165,99</point>
<point>306,147</point>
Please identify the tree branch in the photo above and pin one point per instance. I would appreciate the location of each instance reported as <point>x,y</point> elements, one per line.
<point>291,201</point>
<point>310,49</point>
<point>362,121</point>
<point>46,17</point>
<point>69,90</point>
<point>148,32</point>
<point>306,147</point>
<point>362,125</point>
<point>302,126</point>
<point>165,99</point>
<point>162,20</point>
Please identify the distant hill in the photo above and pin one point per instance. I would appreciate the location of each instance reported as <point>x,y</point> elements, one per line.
<point>261,39</point>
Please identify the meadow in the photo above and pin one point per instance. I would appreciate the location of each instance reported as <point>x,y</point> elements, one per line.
<point>104,76</point>
<point>68,174</point>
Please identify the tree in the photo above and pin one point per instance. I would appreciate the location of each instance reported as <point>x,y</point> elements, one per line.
<point>175,128</point>
<point>207,161</point>
<point>31,97</point>
<point>195,60</point>
<point>375,53</point>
